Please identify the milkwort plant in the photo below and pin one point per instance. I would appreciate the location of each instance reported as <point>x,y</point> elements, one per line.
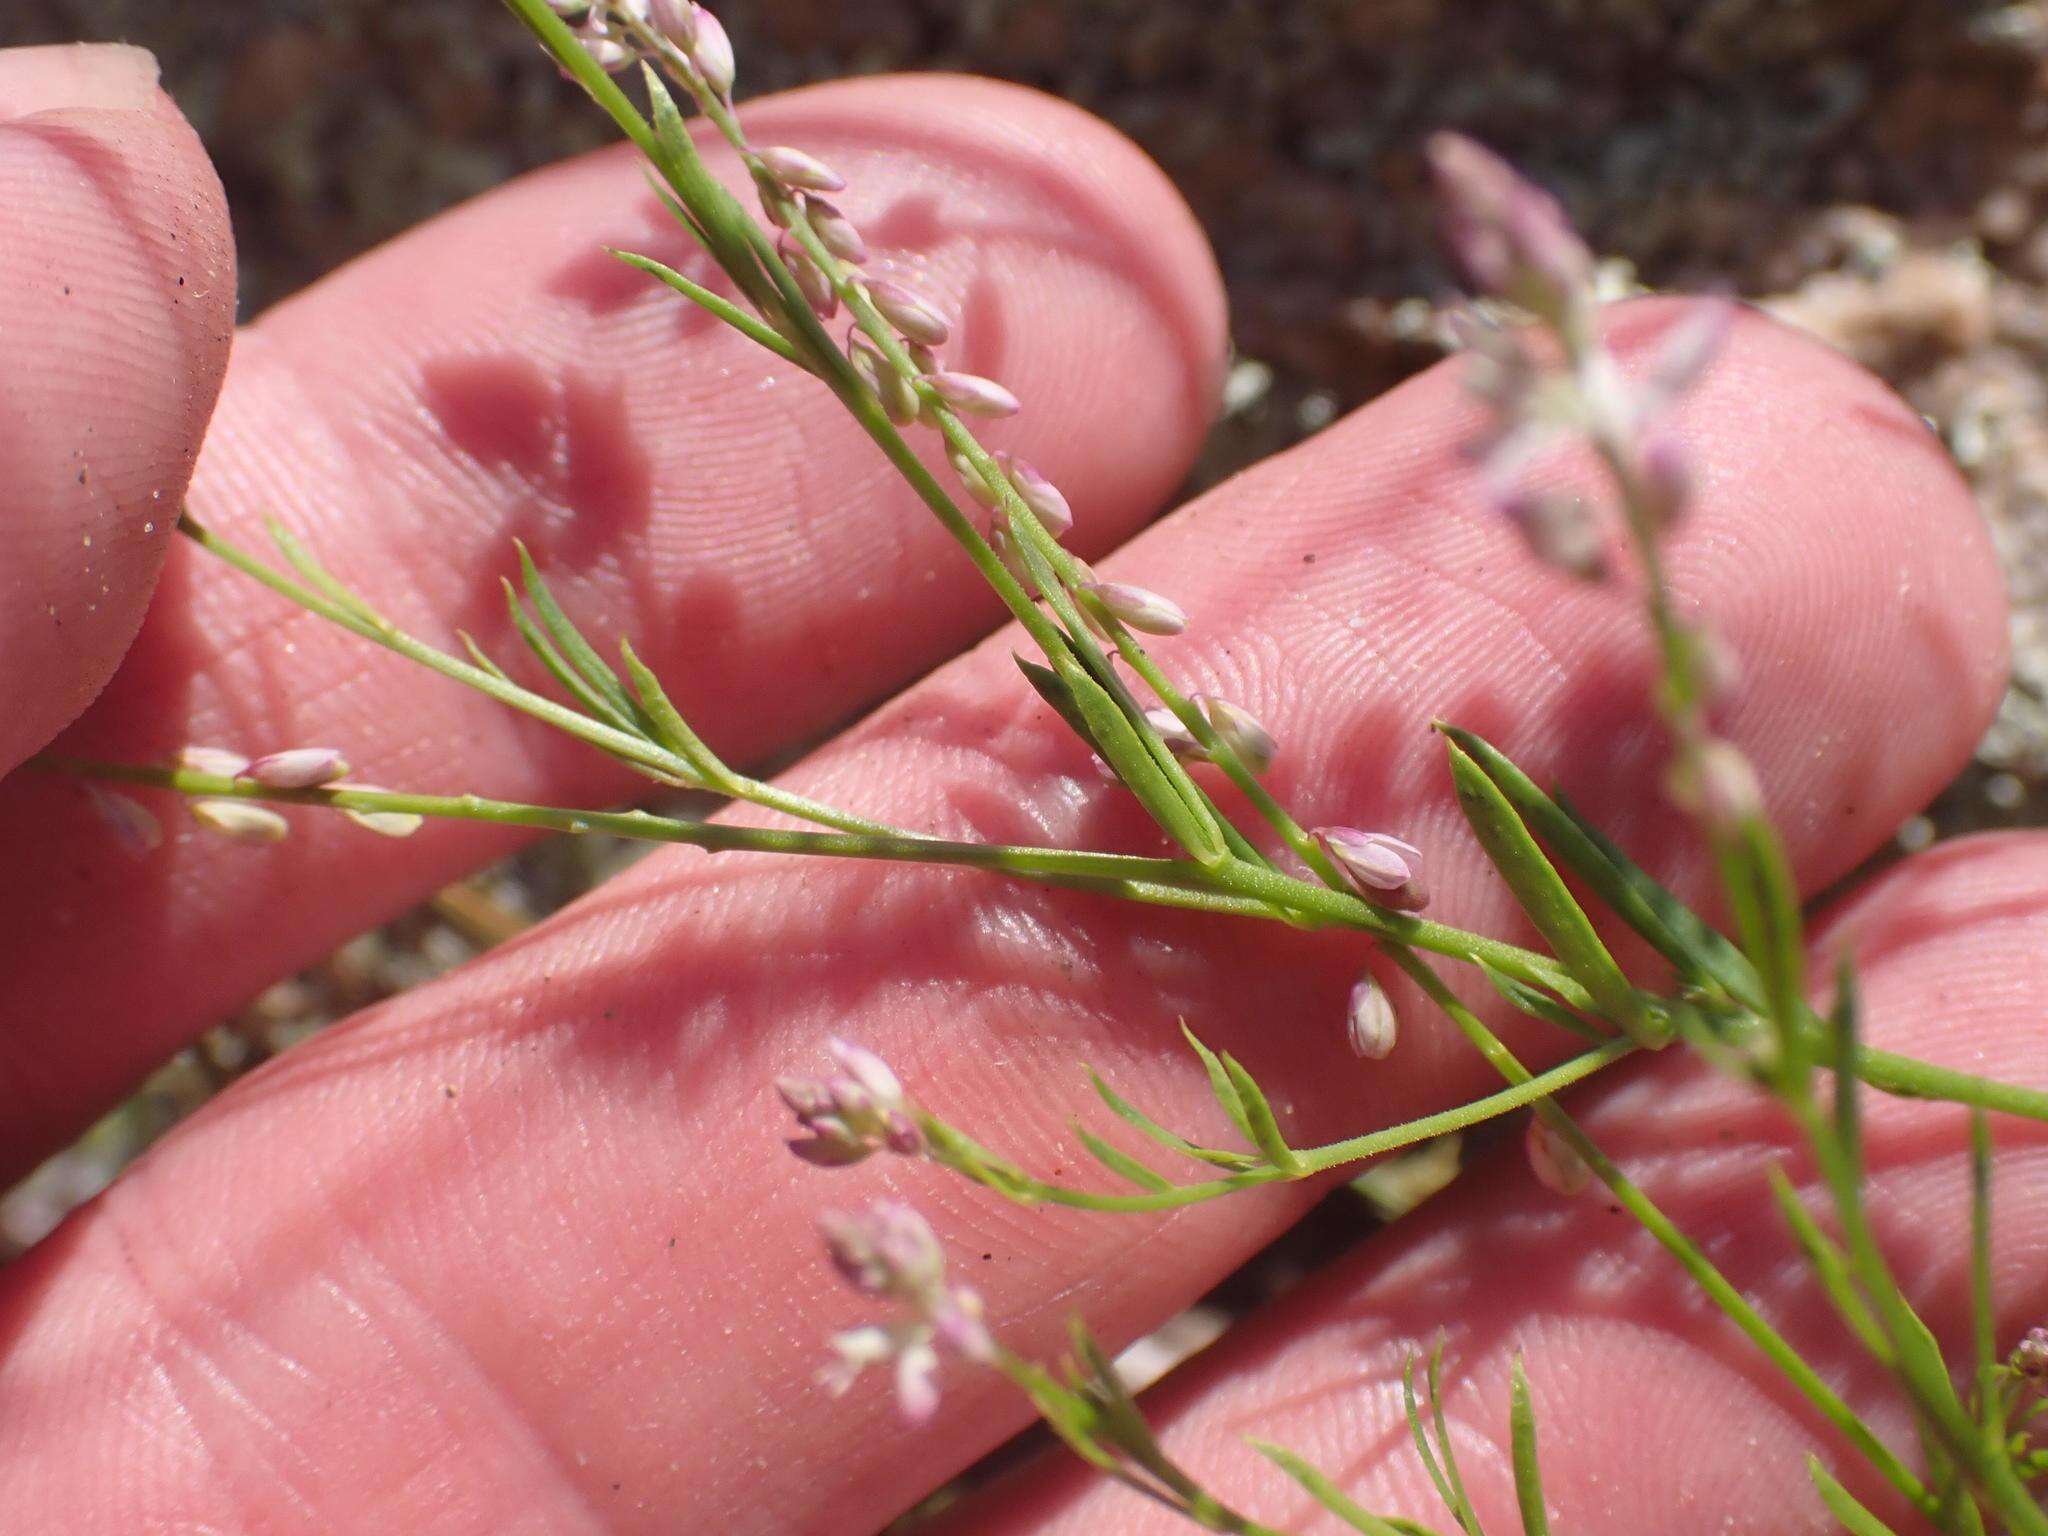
<point>1535,358</point>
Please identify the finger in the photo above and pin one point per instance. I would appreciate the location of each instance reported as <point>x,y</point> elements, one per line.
<point>497,375</point>
<point>1648,1403</point>
<point>117,294</point>
<point>479,1264</point>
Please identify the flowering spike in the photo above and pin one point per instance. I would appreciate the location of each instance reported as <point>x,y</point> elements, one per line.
<point>133,826</point>
<point>1511,238</point>
<point>1136,607</point>
<point>296,768</point>
<point>1382,868</point>
<point>800,171</point>
<point>710,53</point>
<point>834,230</point>
<point>1251,741</point>
<point>854,1115</point>
<point>911,313</point>
<point>240,822</point>
<point>972,395</point>
<point>1369,1022</point>
<point>1040,495</point>
<point>1556,1162</point>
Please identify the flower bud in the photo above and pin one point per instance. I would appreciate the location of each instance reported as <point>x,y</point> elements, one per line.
<point>1382,868</point>
<point>1136,607</point>
<point>1561,531</point>
<point>134,827</point>
<point>1179,740</point>
<point>1040,495</point>
<point>218,761</point>
<point>817,290</point>
<point>800,171</point>
<point>1369,1022</point>
<point>710,53</point>
<point>675,20</point>
<point>911,314</point>
<point>1556,1162</point>
<point>1251,741</point>
<point>384,823</point>
<point>1512,239</point>
<point>2030,1359</point>
<point>899,397</point>
<point>976,484</point>
<point>609,54</point>
<point>972,395</point>
<point>240,822</point>
<point>1716,783</point>
<point>834,230</point>
<point>296,768</point>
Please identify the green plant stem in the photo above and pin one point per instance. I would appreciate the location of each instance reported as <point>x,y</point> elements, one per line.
<point>1767,1339</point>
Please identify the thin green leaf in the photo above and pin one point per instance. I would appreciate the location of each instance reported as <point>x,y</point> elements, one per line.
<point>1120,1162</point>
<point>720,308</point>
<point>718,215</point>
<point>573,683</point>
<point>1842,1504</point>
<point>482,660</point>
<point>576,650</point>
<point>1990,1401</point>
<point>1327,1493</point>
<point>1419,1431</point>
<point>1537,1004</point>
<point>1264,1129</point>
<point>1221,1085</point>
<point>1830,1267</point>
<point>1054,692</point>
<point>666,723</point>
<point>1661,918</point>
<point>1123,1109</point>
<point>1528,1475</point>
<point>1546,899</point>
<point>1467,1516</point>
<point>320,578</point>
<point>1766,904</point>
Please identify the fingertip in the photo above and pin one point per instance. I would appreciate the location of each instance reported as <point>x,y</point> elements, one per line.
<point>117,299</point>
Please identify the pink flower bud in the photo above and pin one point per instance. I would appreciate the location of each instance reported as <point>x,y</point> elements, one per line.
<point>972,479</point>
<point>834,230</point>
<point>972,395</point>
<point>240,822</point>
<point>1040,495</point>
<point>134,828</point>
<point>1380,867</point>
<point>1688,351</point>
<point>1716,783</point>
<point>609,54</point>
<point>1557,1164</point>
<point>1251,741</point>
<point>1369,1022</point>
<point>1666,480</point>
<point>1511,239</point>
<point>909,312</point>
<point>1136,607</point>
<point>899,397</point>
<point>2030,1359</point>
<point>296,768</point>
<point>676,20</point>
<point>794,168</point>
<point>1179,740</point>
<point>1561,531</point>
<point>218,761</point>
<point>710,53</point>
<point>817,290</point>
<point>384,823</point>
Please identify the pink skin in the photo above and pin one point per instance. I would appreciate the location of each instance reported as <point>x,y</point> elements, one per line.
<point>521,1251</point>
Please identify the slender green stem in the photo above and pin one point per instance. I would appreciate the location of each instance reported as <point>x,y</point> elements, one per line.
<point>1767,1339</point>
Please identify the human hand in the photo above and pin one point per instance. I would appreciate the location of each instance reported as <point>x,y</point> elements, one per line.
<point>521,1249</point>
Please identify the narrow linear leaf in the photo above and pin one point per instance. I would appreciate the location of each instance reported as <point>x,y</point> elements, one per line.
<point>576,650</point>
<point>1420,1432</point>
<point>481,659</point>
<point>1528,1475</point>
<point>320,578</point>
<point>1264,1129</point>
<point>1329,1495</point>
<point>1127,753</point>
<point>1990,1402</point>
<point>1538,1004</point>
<point>1120,1162</point>
<point>573,683</point>
<point>1830,1266</point>
<point>1220,1085</point>
<point>666,723</point>
<point>1123,1109</point>
<point>1546,899</point>
<point>1054,692</point>
<point>712,304</point>
<point>1843,1505</point>
<point>1467,1515</point>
